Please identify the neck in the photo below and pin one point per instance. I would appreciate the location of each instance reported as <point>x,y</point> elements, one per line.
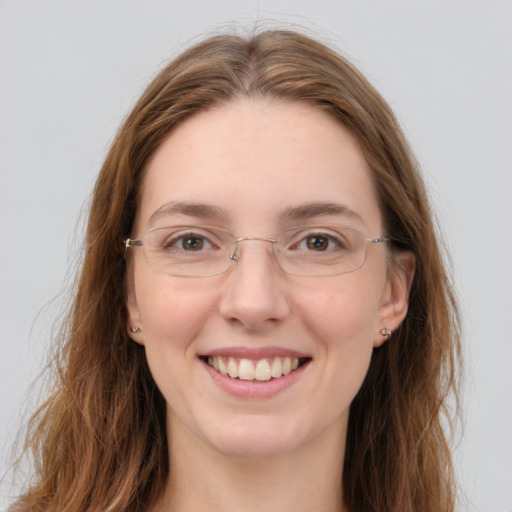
<point>202,478</point>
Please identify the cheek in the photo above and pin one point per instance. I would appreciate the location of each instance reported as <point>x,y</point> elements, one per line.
<point>341,320</point>
<point>344,311</point>
<point>172,311</point>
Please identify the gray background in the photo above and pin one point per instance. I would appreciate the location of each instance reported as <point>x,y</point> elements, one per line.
<point>70,70</point>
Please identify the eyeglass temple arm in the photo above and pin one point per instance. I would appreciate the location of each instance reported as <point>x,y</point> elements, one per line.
<point>132,243</point>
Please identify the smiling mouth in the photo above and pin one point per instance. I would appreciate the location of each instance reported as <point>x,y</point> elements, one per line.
<point>260,370</point>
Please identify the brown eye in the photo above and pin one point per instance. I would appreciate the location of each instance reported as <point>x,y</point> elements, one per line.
<point>317,243</point>
<point>173,240</point>
<point>192,243</point>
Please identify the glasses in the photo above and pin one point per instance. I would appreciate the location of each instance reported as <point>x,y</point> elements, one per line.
<point>203,251</point>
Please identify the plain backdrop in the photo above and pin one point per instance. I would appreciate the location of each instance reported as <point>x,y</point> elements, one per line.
<point>70,70</point>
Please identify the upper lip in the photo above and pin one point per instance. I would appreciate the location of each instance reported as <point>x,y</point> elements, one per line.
<point>255,353</point>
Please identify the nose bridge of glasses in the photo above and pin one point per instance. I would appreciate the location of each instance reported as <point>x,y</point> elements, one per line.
<point>235,254</point>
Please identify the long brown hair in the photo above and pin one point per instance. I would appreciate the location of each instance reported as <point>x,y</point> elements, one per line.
<point>99,441</point>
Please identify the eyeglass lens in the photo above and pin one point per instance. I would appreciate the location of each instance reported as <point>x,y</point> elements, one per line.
<point>201,251</point>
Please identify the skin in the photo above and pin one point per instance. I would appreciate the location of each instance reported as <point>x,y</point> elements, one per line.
<point>255,159</point>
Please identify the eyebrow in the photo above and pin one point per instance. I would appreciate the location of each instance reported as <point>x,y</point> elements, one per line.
<point>211,212</point>
<point>319,209</point>
<point>198,210</point>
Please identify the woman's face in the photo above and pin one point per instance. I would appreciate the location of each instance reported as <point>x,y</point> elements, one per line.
<point>255,168</point>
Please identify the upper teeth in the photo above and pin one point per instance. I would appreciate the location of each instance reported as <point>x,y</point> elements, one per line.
<point>246,369</point>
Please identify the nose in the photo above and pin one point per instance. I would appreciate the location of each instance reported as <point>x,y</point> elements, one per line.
<point>254,293</point>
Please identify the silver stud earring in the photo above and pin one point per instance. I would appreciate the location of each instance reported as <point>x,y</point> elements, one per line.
<point>134,329</point>
<point>386,332</point>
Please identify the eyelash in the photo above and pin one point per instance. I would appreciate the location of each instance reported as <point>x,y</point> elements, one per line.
<point>177,240</point>
<point>337,241</point>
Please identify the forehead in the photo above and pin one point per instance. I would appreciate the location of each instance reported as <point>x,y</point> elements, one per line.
<point>257,158</point>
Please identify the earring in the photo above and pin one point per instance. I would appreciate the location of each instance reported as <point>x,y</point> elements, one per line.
<point>134,329</point>
<point>386,332</point>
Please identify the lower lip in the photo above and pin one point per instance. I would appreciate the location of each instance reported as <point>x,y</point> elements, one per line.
<point>255,388</point>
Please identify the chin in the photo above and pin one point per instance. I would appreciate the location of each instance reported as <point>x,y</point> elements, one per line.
<point>258,438</point>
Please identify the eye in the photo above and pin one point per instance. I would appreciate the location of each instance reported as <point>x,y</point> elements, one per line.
<point>192,243</point>
<point>317,243</point>
<point>321,242</point>
<point>187,242</point>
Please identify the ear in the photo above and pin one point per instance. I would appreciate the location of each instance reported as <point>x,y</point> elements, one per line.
<point>395,298</point>
<point>133,321</point>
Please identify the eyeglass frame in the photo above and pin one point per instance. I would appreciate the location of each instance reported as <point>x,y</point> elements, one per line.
<point>131,243</point>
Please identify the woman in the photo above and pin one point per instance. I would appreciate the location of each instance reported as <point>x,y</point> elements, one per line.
<point>262,320</point>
